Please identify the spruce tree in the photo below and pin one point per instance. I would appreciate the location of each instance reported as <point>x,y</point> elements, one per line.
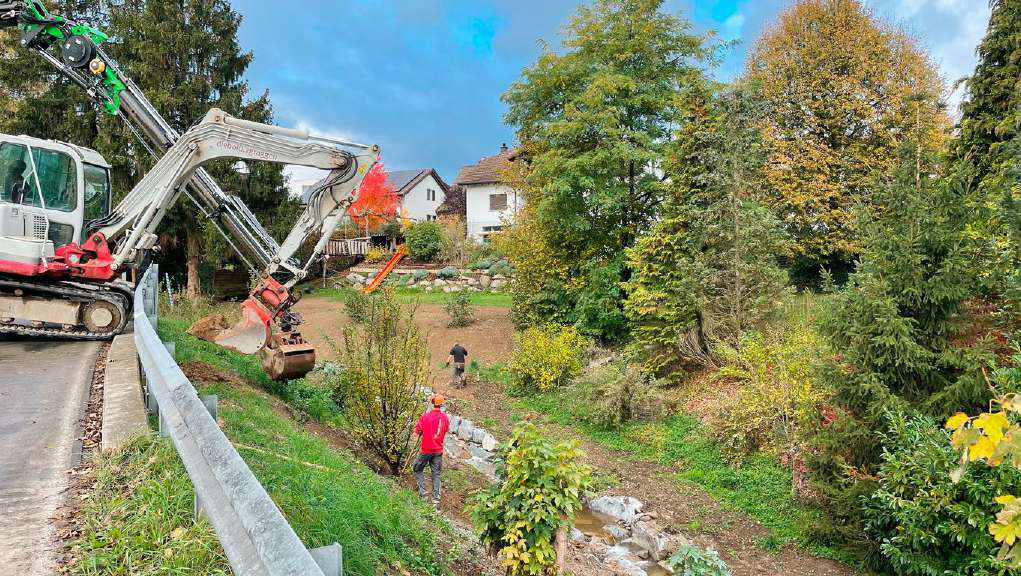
<point>989,142</point>
<point>894,324</point>
<point>186,57</point>
<point>708,271</point>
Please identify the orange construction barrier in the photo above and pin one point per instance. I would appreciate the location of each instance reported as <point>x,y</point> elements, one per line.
<point>387,269</point>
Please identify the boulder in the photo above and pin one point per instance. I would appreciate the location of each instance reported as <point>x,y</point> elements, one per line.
<point>577,536</point>
<point>497,284</point>
<point>479,453</point>
<point>488,469</point>
<point>454,421</point>
<point>456,288</point>
<point>485,280</point>
<point>499,277</point>
<point>489,443</point>
<point>623,508</point>
<point>619,533</point>
<point>355,278</point>
<point>626,564</point>
<point>448,289</point>
<point>425,283</point>
<point>439,282</point>
<point>465,429</point>
<point>650,536</point>
<point>478,434</point>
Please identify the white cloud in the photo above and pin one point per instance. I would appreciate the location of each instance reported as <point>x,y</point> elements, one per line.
<point>733,25</point>
<point>949,29</point>
<point>300,176</point>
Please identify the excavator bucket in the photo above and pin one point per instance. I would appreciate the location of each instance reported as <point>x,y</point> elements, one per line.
<point>251,334</point>
<point>287,356</point>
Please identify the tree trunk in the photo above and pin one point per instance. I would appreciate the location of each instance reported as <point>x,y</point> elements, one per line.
<point>194,255</point>
<point>560,540</point>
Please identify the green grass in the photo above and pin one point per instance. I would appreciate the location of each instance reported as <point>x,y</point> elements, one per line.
<point>760,487</point>
<point>327,495</point>
<point>410,295</point>
<point>138,518</point>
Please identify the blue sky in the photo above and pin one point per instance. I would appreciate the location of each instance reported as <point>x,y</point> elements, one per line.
<point>423,78</point>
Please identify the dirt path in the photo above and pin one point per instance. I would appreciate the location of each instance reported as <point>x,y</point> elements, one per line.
<point>489,339</point>
<point>684,508</point>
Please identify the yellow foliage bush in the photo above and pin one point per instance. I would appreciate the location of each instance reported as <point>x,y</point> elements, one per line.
<point>779,395</point>
<point>376,255</point>
<point>547,357</point>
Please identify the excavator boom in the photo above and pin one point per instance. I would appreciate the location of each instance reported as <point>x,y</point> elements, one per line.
<point>121,239</point>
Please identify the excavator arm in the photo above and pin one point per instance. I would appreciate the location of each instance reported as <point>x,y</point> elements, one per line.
<point>120,240</point>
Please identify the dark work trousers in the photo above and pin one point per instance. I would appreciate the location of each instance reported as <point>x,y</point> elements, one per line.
<point>435,462</point>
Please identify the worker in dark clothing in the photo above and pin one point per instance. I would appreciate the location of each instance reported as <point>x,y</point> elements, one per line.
<point>432,427</point>
<point>457,357</point>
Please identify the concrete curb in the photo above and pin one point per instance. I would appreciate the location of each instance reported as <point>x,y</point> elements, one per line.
<point>124,414</point>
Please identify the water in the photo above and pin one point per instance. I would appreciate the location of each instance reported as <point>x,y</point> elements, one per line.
<point>593,524</point>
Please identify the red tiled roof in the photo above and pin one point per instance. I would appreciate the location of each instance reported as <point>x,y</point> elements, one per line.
<point>489,170</point>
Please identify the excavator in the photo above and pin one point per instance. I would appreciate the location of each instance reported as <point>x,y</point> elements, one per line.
<point>66,254</point>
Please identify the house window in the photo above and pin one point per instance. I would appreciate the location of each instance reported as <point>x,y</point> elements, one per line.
<point>430,217</point>
<point>497,202</point>
<point>430,194</point>
<point>488,231</point>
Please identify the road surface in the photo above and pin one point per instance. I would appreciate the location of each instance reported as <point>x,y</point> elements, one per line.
<point>43,390</point>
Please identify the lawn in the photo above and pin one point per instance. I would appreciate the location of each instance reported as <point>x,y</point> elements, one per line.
<point>496,299</point>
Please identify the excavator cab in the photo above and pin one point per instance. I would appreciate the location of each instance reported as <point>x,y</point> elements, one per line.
<point>49,191</point>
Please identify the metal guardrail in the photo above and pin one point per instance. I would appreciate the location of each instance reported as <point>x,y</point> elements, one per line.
<point>254,534</point>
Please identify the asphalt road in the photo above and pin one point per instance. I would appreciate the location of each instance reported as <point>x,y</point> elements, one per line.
<point>43,390</point>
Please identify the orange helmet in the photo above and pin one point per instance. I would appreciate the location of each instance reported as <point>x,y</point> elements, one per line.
<point>438,399</point>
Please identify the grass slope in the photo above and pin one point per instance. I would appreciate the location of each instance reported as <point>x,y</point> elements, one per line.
<point>327,495</point>
<point>138,518</point>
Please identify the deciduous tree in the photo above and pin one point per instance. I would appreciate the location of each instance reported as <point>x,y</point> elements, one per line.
<point>838,83</point>
<point>594,120</point>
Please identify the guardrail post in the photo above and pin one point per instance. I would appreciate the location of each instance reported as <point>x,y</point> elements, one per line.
<point>212,403</point>
<point>329,558</point>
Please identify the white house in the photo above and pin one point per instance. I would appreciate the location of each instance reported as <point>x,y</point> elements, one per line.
<point>420,192</point>
<point>489,201</point>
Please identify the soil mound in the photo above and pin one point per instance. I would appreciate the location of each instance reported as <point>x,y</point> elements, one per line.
<point>209,328</point>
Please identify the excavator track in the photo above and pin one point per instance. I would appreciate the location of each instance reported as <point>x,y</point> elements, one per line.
<point>109,296</point>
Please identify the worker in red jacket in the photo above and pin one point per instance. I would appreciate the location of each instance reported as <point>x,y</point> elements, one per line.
<point>432,427</point>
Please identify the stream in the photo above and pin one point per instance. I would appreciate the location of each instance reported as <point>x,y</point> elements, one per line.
<point>595,525</point>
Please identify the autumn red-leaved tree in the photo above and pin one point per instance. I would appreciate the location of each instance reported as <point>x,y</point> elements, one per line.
<point>377,200</point>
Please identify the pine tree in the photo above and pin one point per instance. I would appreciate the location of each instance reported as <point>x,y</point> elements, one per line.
<point>594,121</point>
<point>708,272</point>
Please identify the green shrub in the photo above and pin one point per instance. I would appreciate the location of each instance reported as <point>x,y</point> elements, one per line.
<point>459,308</point>
<point>424,241</point>
<point>599,302</point>
<point>356,305</point>
<point>780,394</point>
<point>480,265</point>
<point>691,560</point>
<point>419,275</point>
<point>500,268</point>
<point>540,490</point>
<point>448,273</point>
<point>923,522</point>
<point>547,357</point>
<point>615,393</point>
